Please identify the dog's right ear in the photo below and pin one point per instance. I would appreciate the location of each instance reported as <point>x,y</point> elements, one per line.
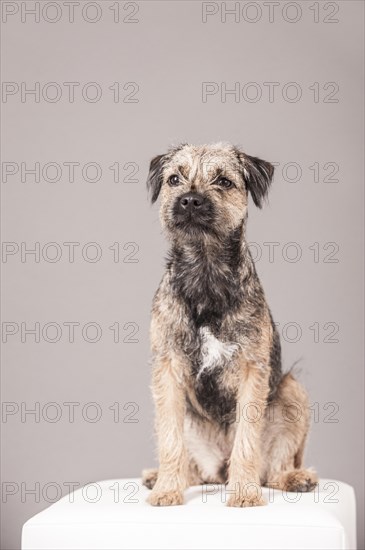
<point>154,180</point>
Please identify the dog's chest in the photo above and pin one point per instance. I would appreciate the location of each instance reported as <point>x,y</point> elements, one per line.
<point>213,360</point>
<point>213,352</point>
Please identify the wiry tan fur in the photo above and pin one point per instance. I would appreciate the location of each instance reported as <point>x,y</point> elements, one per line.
<point>240,450</point>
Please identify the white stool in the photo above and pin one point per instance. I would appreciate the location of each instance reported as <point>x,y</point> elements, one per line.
<point>114,515</point>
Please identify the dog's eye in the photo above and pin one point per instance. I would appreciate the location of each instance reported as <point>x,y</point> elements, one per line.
<point>174,180</point>
<point>225,183</point>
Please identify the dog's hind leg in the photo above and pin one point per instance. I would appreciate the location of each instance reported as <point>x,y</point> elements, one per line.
<point>283,440</point>
<point>149,477</point>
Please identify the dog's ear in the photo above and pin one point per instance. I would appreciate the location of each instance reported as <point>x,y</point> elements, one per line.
<point>154,180</point>
<point>258,176</point>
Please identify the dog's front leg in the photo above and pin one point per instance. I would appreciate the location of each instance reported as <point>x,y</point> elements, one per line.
<point>169,398</point>
<point>244,487</point>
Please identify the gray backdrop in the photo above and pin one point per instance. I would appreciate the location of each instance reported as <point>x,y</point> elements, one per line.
<point>115,83</point>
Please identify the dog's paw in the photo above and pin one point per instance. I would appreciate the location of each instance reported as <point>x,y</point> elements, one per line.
<point>246,501</point>
<point>301,481</point>
<point>149,477</point>
<point>166,498</point>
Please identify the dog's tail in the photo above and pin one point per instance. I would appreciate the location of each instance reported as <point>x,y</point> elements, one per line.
<point>294,370</point>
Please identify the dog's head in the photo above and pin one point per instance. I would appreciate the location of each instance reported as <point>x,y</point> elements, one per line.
<point>204,189</point>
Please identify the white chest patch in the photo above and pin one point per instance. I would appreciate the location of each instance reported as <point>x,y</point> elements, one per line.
<point>213,352</point>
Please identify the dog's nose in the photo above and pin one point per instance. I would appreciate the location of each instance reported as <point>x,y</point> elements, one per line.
<point>191,201</point>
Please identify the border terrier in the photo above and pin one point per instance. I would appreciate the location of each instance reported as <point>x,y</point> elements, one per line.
<point>225,411</point>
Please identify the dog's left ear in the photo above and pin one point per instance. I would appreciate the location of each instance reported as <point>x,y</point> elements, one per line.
<point>154,180</point>
<point>258,176</point>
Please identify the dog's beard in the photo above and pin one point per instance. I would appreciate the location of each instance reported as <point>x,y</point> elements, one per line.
<point>193,224</point>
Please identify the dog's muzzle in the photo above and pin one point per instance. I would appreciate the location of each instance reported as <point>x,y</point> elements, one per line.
<point>193,209</point>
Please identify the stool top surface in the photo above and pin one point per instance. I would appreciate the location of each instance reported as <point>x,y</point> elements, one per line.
<point>124,501</point>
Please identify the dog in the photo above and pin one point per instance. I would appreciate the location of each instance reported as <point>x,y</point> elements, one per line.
<point>225,412</point>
